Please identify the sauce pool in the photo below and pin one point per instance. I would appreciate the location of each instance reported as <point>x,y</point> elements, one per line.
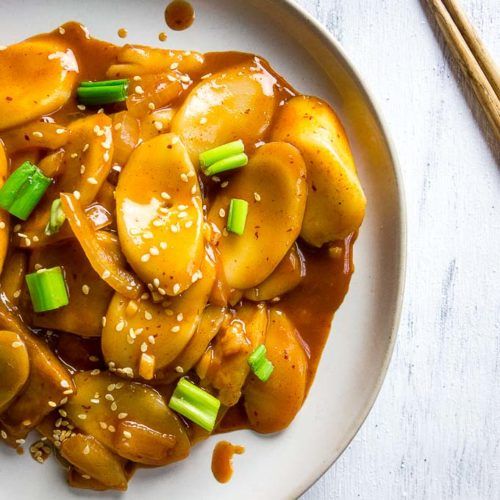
<point>179,15</point>
<point>222,460</point>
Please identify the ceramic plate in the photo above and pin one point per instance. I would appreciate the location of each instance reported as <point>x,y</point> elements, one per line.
<point>356,357</point>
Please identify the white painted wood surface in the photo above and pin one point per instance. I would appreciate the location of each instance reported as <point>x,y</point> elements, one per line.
<point>434,432</point>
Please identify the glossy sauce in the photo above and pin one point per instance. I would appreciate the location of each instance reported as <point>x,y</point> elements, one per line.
<point>122,33</point>
<point>310,306</point>
<point>179,15</point>
<point>222,460</point>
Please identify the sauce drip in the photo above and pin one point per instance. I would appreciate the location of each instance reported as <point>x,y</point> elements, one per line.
<point>179,15</point>
<point>122,33</point>
<point>162,36</point>
<point>222,460</point>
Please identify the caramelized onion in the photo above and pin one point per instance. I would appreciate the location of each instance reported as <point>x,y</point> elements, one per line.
<point>104,263</point>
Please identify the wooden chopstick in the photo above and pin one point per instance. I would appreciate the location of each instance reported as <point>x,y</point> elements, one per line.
<point>475,44</point>
<point>465,56</point>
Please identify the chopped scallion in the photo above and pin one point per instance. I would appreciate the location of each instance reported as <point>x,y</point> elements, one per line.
<point>237,217</point>
<point>23,190</point>
<point>259,364</point>
<point>105,92</point>
<point>56,219</point>
<point>214,155</point>
<point>195,404</point>
<point>229,163</point>
<point>47,289</point>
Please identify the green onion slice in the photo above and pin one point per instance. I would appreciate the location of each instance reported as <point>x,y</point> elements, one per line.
<point>105,92</point>
<point>259,364</point>
<point>23,190</point>
<point>56,219</point>
<point>195,404</point>
<point>214,155</point>
<point>237,217</point>
<point>47,289</point>
<point>230,163</point>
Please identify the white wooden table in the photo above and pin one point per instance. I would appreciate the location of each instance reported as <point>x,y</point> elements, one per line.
<point>434,432</point>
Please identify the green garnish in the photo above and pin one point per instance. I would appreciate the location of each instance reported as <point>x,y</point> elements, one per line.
<point>214,155</point>
<point>105,92</point>
<point>23,190</point>
<point>57,218</point>
<point>237,217</point>
<point>236,161</point>
<point>47,289</point>
<point>259,364</point>
<point>195,404</point>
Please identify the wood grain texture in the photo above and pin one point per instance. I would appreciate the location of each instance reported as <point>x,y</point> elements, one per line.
<point>434,432</point>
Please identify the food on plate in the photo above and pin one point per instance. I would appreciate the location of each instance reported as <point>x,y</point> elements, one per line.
<point>176,233</point>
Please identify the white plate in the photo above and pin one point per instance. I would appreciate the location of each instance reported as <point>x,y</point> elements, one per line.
<point>356,357</point>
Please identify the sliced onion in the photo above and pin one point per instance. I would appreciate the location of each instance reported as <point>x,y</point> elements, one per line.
<point>103,262</point>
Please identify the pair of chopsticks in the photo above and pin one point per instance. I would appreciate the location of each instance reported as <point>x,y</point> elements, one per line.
<point>478,67</point>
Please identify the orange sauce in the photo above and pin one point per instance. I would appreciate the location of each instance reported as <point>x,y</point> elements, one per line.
<point>179,15</point>
<point>162,36</point>
<point>222,460</point>
<point>122,33</point>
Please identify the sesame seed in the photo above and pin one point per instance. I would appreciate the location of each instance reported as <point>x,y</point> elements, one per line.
<point>53,404</point>
<point>145,257</point>
<point>188,224</point>
<point>86,450</point>
<point>163,245</point>
<point>106,156</point>
<point>95,371</point>
<point>62,30</point>
<point>154,251</point>
<point>2,225</point>
<point>92,180</point>
<point>16,294</point>
<point>144,347</point>
<point>37,134</point>
<point>158,223</point>
<point>64,383</point>
<point>174,65</point>
<point>222,212</point>
<point>85,289</point>
<point>203,120</point>
<point>180,317</point>
<point>76,194</point>
<point>73,155</point>
<point>122,415</point>
<point>17,228</point>
<point>82,169</point>
<point>103,425</point>
<point>120,326</point>
<point>165,196</point>
<point>106,274</point>
<point>95,401</point>
<point>158,125</point>
<point>103,322</point>
<point>127,434</point>
<point>137,78</point>
<point>148,316</point>
<point>184,177</point>
<point>82,416</point>
<point>175,329</point>
<point>151,339</point>
<point>113,407</point>
<point>3,434</point>
<point>257,196</point>
<point>176,288</point>
<point>60,131</point>
<point>109,397</point>
<point>179,369</point>
<point>81,107</point>
<point>138,89</point>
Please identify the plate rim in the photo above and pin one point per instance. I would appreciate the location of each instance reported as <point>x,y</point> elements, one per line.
<point>334,46</point>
